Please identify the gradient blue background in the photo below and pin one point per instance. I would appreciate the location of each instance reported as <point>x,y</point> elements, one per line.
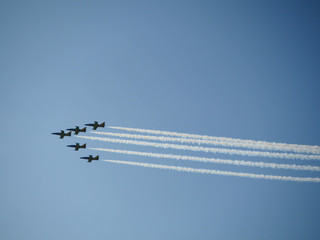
<point>243,69</point>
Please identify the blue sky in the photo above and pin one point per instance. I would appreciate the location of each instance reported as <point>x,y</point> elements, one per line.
<point>246,69</point>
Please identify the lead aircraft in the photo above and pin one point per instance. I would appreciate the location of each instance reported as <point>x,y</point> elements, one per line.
<point>62,134</point>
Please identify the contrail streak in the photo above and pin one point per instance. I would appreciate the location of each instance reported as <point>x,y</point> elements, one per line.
<point>174,139</point>
<point>217,172</point>
<point>171,139</point>
<point>213,150</point>
<point>263,145</point>
<point>213,160</point>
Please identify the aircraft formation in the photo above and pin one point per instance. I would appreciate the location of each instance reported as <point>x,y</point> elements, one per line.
<point>78,130</point>
<point>193,142</point>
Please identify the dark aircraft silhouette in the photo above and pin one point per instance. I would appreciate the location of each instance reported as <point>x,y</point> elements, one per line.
<point>90,158</point>
<point>62,134</point>
<point>77,129</point>
<point>77,146</point>
<point>95,125</point>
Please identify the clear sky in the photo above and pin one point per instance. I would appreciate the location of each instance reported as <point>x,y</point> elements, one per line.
<point>242,69</point>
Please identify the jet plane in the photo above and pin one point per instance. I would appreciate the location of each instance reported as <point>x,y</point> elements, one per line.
<point>90,158</point>
<point>77,146</point>
<point>62,134</point>
<point>77,130</point>
<point>95,125</point>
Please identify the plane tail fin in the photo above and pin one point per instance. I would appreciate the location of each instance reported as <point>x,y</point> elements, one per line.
<point>68,134</point>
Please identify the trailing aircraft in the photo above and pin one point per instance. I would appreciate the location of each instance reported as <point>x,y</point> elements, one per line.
<point>95,125</point>
<point>77,129</point>
<point>90,158</point>
<point>77,146</point>
<point>62,134</point>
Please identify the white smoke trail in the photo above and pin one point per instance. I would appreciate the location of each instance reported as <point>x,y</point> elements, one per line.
<point>213,160</point>
<point>213,150</point>
<point>217,172</point>
<point>170,139</point>
<point>263,145</point>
